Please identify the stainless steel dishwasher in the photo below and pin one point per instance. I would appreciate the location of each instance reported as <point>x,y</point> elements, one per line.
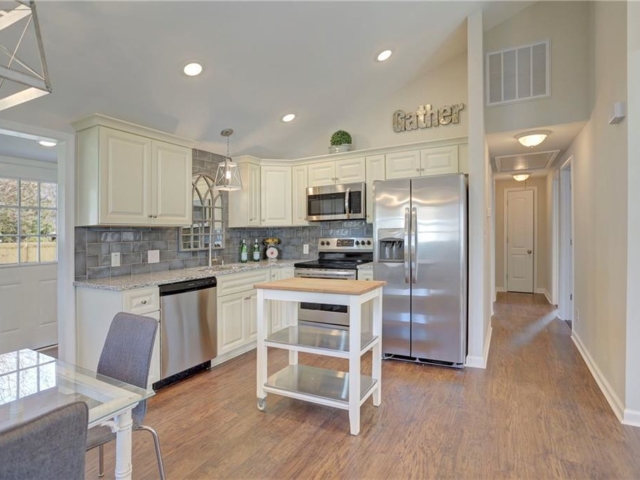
<point>188,325</point>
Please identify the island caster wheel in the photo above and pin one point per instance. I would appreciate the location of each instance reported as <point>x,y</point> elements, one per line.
<point>262,404</point>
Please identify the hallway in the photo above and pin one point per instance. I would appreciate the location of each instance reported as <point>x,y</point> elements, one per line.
<point>535,413</point>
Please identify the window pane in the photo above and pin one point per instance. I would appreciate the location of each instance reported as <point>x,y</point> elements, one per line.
<point>48,225</point>
<point>28,193</point>
<point>28,249</point>
<point>48,195</point>
<point>8,191</point>
<point>8,251</point>
<point>8,221</point>
<point>48,249</point>
<point>28,221</point>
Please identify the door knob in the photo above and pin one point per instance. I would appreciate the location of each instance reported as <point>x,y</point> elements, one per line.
<point>529,252</point>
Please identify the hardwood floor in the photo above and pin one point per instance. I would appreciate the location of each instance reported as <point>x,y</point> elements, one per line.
<point>534,413</point>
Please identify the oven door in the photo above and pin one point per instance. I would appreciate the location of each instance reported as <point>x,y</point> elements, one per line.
<point>321,314</point>
<point>336,202</point>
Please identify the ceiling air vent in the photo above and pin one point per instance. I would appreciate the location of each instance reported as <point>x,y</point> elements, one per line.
<point>526,161</point>
<point>518,74</point>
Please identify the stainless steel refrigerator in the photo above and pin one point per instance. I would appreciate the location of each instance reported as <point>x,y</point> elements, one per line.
<point>420,234</point>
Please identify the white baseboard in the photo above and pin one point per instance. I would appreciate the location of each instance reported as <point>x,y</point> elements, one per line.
<point>501,289</point>
<point>614,402</point>
<point>233,353</point>
<point>477,361</point>
<point>631,417</point>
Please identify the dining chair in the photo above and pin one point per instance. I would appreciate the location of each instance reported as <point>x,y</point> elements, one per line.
<point>126,356</point>
<point>49,446</point>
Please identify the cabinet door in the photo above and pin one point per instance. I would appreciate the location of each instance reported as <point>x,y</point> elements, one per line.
<point>244,205</point>
<point>171,184</point>
<point>322,174</point>
<point>299,195</point>
<point>403,165</point>
<point>253,198</point>
<point>438,161</point>
<point>231,333</point>
<point>249,314</point>
<point>276,196</point>
<point>350,171</point>
<point>375,171</point>
<point>125,178</point>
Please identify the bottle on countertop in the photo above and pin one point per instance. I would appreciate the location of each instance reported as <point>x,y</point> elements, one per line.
<point>243,252</point>
<point>256,251</point>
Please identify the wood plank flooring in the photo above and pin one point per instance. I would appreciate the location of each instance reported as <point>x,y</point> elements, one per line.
<point>534,413</point>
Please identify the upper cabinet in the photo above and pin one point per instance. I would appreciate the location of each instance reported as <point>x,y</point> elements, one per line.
<point>421,163</point>
<point>276,195</point>
<point>375,169</point>
<point>299,179</point>
<point>244,205</point>
<point>127,178</point>
<point>351,170</point>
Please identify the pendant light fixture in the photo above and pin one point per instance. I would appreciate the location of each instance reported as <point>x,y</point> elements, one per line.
<point>24,82</point>
<point>228,173</point>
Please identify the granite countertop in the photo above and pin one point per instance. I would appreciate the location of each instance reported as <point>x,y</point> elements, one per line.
<point>129,282</point>
<point>366,266</point>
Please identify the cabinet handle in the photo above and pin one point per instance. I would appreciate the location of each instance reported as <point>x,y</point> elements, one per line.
<point>155,216</point>
<point>143,302</point>
<point>417,169</point>
<point>247,298</point>
<point>150,216</point>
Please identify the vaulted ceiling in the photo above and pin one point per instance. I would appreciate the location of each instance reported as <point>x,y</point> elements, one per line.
<point>261,60</point>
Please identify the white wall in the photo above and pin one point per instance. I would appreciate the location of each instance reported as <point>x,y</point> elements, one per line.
<point>566,25</point>
<point>632,403</point>
<point>600,210</point>
<point>445,85</point>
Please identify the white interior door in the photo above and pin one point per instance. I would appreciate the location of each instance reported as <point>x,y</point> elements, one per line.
<point>520,241</point>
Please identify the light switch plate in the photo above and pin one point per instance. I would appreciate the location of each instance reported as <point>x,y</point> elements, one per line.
<point>305,249</point>
<point>115,259</point>
<point>153,256</point>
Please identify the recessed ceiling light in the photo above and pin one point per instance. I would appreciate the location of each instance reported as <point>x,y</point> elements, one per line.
<point>382,56</point>
<point>48,143</point>
<point>533,139</point>
<point>288,117</point>
<point>192,69</point>
<point>521,177</point>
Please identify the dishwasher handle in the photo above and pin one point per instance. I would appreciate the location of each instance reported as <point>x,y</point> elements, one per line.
<point>187,286</point>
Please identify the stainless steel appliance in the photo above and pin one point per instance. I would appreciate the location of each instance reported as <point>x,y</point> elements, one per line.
<point>420,235</point>
<point>338,258</point>
<point>188,325</point>
<point>336,202</point>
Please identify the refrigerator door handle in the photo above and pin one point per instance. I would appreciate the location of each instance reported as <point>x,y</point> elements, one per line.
<point>414,244</point>
<point>406,245</point>
<point>346,202</point>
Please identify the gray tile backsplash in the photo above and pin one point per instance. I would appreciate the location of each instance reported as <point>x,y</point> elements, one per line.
<point>94,245</point>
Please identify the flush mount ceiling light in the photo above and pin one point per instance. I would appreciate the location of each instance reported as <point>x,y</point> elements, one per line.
<point>24,82</point>
<point>382,56</point>
<point>228,173</point>
<point>288,117</point>
<point>192,69</point>
<point>521,177</point>
<point>48,143</point>
<point>533,139</point>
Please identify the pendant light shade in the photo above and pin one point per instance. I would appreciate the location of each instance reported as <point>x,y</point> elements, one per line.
<point>228,173</point>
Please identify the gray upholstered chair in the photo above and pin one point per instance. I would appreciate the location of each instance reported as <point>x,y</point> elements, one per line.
<point>49,446</point>
<point>126,356</point>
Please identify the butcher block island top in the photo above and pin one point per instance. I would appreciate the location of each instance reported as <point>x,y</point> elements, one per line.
<point>323,285</point>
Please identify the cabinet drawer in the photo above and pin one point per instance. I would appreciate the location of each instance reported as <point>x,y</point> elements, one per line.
<point>239,282</point>
<point>141,300</point>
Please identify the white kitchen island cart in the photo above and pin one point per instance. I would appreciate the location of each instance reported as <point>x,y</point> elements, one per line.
<point>344,390</point>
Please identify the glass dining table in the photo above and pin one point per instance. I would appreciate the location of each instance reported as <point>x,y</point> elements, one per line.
<point>32,383</point>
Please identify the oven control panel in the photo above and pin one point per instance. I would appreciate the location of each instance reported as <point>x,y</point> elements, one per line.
<point>345,244</point>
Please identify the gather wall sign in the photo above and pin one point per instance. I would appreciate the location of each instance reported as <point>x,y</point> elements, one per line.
<point>426,117</point>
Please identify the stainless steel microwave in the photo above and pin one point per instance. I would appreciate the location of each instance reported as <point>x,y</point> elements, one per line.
<point>336,202</point>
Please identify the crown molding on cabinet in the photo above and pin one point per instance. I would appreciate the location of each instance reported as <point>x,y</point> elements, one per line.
<point>123,126</point>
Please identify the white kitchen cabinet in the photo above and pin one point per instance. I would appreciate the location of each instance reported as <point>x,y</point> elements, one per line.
<point>351,170</point>
<point>403,164</point>
<point>299,182</point>
<point>439,161</point>
<point>126,178</point>
<point>375,168</point>
<point>244,205</point>
<point>280,314</point>
<point>95,309</point>
<point>233,312</point>
<point>275,197</point>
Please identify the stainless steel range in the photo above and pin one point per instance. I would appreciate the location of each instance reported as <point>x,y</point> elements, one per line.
<point>338,258</point>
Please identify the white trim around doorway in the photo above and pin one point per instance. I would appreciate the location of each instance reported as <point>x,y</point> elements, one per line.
<point>566,280</point>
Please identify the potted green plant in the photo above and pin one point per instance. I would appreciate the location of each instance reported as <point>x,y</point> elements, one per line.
<point>340,142</point>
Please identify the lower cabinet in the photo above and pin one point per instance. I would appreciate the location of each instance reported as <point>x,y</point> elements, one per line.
<point>236,320</point>
<point>280,316</point>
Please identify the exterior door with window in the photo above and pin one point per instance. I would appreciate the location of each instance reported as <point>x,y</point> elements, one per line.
<point>28,264</point>
<point>520,241</point>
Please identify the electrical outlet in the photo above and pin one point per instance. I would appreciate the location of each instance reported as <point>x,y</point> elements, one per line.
<point>305,249</point>
<point>115,259</point>
<point>153,256</point>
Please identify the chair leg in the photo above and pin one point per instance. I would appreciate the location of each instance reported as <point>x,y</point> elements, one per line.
<point>101,461</point>
<point>156,443</point>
